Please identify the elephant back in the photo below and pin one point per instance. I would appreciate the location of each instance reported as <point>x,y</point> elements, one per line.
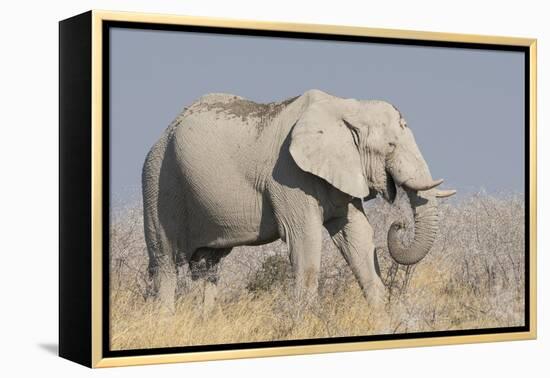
<point>232,107</point>
<point>213,98</point>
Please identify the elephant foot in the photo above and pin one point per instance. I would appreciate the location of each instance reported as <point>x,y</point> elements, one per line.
<point>163,304</point>
<point>166,299</point>
<point>375,294</point>
<point>162,287</point>
<point>168,309</point>
<point>210,292</point>
<point>303,301</point>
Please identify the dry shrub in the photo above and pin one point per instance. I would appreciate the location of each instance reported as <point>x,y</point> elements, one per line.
<point>474,277</point>
<point>275,271</point>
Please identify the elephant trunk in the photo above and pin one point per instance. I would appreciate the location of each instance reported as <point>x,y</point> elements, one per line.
<point>425,211</point>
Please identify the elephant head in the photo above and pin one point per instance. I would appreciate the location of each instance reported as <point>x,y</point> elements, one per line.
<point>364,148</point>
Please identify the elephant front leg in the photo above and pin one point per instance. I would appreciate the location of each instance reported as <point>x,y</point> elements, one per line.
<point>304,241</point>
<point>353,236</point>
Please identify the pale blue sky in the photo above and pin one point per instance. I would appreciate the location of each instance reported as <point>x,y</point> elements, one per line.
<point>465,106</point>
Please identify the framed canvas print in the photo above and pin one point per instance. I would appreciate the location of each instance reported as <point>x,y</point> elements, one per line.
<point>235,189</point>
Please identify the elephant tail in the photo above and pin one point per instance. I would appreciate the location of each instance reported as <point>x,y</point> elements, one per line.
<point>150,178</point>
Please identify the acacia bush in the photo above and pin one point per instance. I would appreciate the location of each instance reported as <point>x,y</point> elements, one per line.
<point>274,272</point>
<point>474,277</point>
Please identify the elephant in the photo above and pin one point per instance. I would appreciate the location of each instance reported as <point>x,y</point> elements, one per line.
<point>230,172</point>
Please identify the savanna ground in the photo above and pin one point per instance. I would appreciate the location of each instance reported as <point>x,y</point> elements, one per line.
<point>472,278</point>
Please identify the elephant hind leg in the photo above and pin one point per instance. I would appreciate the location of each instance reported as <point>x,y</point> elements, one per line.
<point>204,266</point>
<point>162,266</point>
<point>163,273</point>
<point>160,245</point>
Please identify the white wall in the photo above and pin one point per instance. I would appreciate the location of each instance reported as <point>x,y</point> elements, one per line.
<point>28,137</point>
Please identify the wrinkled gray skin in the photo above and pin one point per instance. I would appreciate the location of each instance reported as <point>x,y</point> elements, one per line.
<point>229,172</point>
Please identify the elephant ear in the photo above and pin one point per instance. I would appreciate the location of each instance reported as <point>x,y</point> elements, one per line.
<point>322,144</point>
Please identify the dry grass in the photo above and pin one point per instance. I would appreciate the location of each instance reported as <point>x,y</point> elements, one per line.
<point>472,278</point>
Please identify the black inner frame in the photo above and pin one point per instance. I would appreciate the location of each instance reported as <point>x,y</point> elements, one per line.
<point>107,25</point>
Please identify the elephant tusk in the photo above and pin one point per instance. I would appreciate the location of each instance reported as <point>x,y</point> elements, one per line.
<point>425,186</point>
<point>435,183</point>
<point>444,193</point>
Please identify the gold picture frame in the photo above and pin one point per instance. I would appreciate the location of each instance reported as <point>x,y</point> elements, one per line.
<point>82,317</point>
